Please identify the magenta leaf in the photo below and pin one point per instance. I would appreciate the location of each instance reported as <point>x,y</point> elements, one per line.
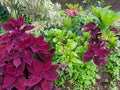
<point>94,32</point>
<point>34,80</point>
<point>9,80</point>
<point>97,47</point>
<point>19,84</point>
<point>37,87</point>
<point>20,21</point>
<point>51,74</point>
<point>9,46</point>
<point>25,61</point>
<point>1,70</point>
<point>5,38</point>
<point>2,63</point>
<point>17,23</point>
<point>8,27</point>
<point>17,62</point>
<point>46,85</point>
<point>87,59</point>
<point>10,70</point>
<point>114,30</point>
<point>97,61</point>
<point>26,28</point>
<point>13,22</point>
<point>12,55</point>
<point>2,50</point>
<point>38,65</point>
<point>27,57</point>
<point>23,44</point>
<point>89,53</point>
<point>48,65</point>
<point>1,79</point>
<point>89,26</point>
<point>41,38</point>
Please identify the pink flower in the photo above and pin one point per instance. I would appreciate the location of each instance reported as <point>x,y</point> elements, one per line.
<point>72,12</point>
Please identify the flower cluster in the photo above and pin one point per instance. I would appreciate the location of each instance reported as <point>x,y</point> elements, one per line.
<point>25,61</point>
<point>72,12</point>
<point>97,48</point>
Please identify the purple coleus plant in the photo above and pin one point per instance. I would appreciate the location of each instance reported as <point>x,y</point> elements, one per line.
<point>97,50</point>
<point>25,61</point>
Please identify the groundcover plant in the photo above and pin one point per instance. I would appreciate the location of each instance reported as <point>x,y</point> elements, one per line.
<point>25,61</point>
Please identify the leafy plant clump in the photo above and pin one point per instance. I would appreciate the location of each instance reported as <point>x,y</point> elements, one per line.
<point>74,74</point>
<point>97,47</point>
<point>25,61</point>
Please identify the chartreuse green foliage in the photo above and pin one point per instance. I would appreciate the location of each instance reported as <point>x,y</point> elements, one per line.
<point>105,16</point>
<point>70,6</point>
<point>69,53</point>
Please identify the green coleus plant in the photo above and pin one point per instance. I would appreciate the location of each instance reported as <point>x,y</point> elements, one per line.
<point>69,52</point>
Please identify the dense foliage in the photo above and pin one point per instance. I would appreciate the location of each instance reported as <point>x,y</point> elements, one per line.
<point>85,41</point>
<point>26,61</point>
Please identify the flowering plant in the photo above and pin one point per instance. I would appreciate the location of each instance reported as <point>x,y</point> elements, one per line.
<point>72,12</point>
<point>25,61</point>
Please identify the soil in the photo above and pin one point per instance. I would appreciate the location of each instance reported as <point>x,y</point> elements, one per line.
<point>115,3</point>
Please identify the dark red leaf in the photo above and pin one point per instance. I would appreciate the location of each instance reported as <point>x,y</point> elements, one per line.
<point>48,65</point>
<point>9,46</point>
<point>5,38</point>
<point>27,57</point>
<point>87,59</point>
<point>37,87</point>
<point>19,84</point>
<point>35,80</point>
<point>20,21</point>
<point>46,85</point>
<point>9,80</point>
<point>51,74</point>
<point>8,27</point>
<point>38,65</point>
<point>26,28</point>
<point>17,62</point>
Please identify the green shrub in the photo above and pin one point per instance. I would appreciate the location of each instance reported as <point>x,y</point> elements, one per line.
<point>69,54</point>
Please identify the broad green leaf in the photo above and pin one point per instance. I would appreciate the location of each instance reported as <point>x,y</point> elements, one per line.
<point>98,76</point>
